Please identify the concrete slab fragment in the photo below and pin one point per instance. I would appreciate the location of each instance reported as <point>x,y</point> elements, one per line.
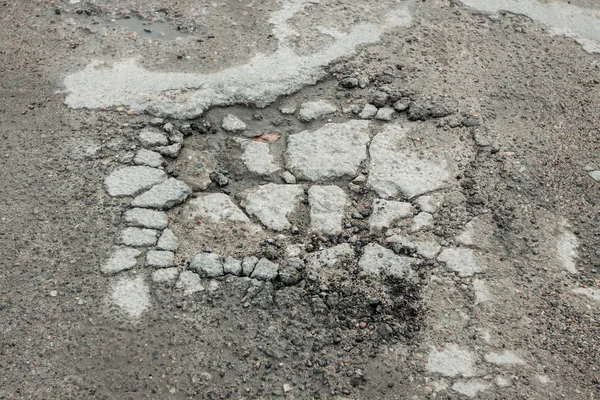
<point>129,181</point>
<point>131,295</point>
<point>122,259</point>
<point>272,203</point>
<point>332,151</point>
<point>377,260</point>
<point>384,214</point>
<point>327,205</point>
<point>461,260</point>
<point>163,196</point>
<point>145,218</point>
<point>396,169</point>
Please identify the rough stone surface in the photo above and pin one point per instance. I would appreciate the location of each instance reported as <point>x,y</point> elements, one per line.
<point>138,237</point>
<point>189,282</point>
<point>160,259</point>
<point>429,203</point>
<point>129,181</point>
<point>402,104</point>
<point>148,158</point>
<point>232,266</point>
<point>151,138</point>
<point>164,195</point>
<point>145,218</point>
<point>332,151</point>
<point>288,177</point>
<point>377,260</point>
<point>208,265</point>
<point>368,111</point>
<point>122,259</point>
<point>165,275</point>
<point>231,123</point>
<point>168,241</point>
<point>312,110</point>
<point>327,205</point>
<point>395,169</point>
<point>131,295</point>
<point>385,114</point>
<point>384,214</point>
<point>421,221</point>
<point>451,361</point>
<point>171,151</point>
<point>287,108</point>
<point>507,357</point>
<point>248,264</point>
<point>217,208</point>
<point>272,203</point>
<point>331,256</point>
<point>471,388</point>
<point>257,157</point>
<point>460,260</point>
<point>194,168</point>
<point>265,270</point>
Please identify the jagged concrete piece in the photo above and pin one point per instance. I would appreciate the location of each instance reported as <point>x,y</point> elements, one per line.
<point>315,109</point>
<point>129,181</point>
<point>265,270</point>
<point>461,260</point>
<point>138,237</point>
<point>165,275</point>
<point>131,295</point>
<point>396,169</point>
<point>145,218</point>
<point>257,157</point>
<point>208,264</point>
<point>168,241</point>
<point>231,123</point>
<point>164,195</point>
<point>122,259</point>
<point>384,214</point>
<point>216,208</point>
<point>148,158</point>
<point>189,282</point>
<point>272,203</point>
<point>327,205</point>
<point>160,259</point>
<point>377,260</point>
<point>332,151</point>
<point>452,361</point>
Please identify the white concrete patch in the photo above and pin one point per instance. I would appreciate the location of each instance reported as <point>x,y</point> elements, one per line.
<point>272,203</point>
<point>160,259</point>
<point>315,109</point>
<point>430,203</point>
<point>122,259</point>
<point>215,207</point>
<point>482,293</point>
<point>332,151</point>
<point>165,275</point>
<point>378,260</point>
<point>505,358</point>
<point>188,95</point>
<point>582,24</point>
<point>129,181</point>
<point>397,170</point>
<point>257,157</point>
<point>148,158</point>
<point>461,260</point>
<point>421,221</point>
<point>327,205</point>
<point>451,361</point>
<point>168,241</point>
<point>189,282</point>
<point>131,295</point>
<point>566,251</point>
<point>231,123</point>
<point>265,270</point>
<point>145,218</point>
<point>386,213</point>
<point>208,265</point>
<point>471,388</point>
<point>163,196</point>
<point>138,237</point>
